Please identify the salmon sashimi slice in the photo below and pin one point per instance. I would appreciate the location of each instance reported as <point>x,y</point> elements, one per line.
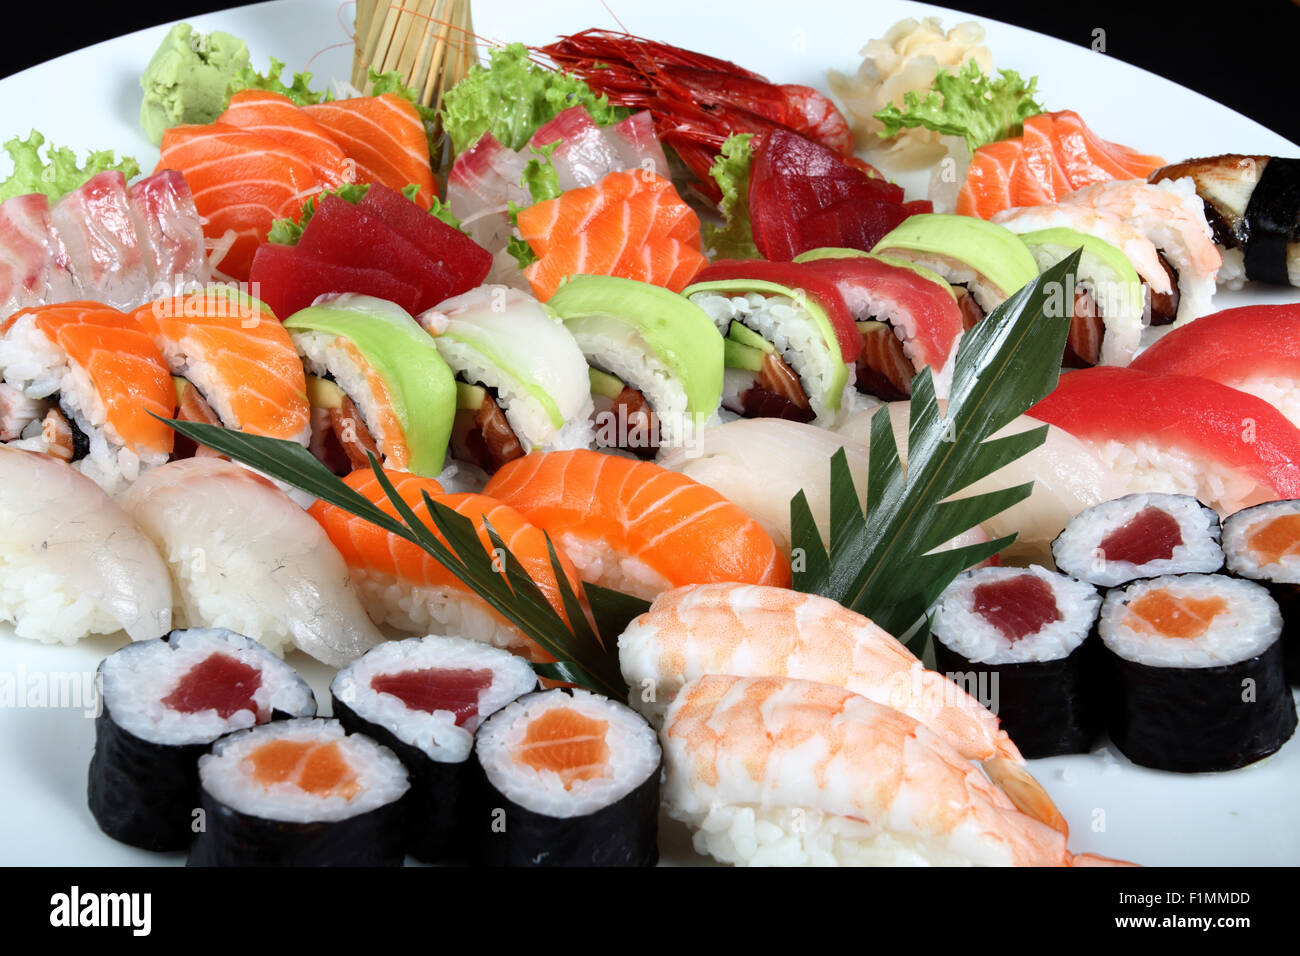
<point>1164,614</point>
<point>125,368</point>
<point>677,530</point>
<point>1150,535</point>
<point>1276,539</point>
<point>241,352</point>
<point>1039,178</point>
<point>384,137</point>
<point>567,743</point>
<point>987,189</point>
<point>241,181</point>
<point>569,214</point>
<point>316,768</point>
<point>431,689</point>
<point>1017,606</point>
<point>279,118</point>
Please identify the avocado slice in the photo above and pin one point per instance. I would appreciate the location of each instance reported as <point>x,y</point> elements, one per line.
<point>736,355</point>
<point>604,384</point>
<point>744,335</point>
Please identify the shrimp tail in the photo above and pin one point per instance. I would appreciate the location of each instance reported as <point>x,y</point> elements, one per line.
<point>1092,859</point>
<point>1025,792</point>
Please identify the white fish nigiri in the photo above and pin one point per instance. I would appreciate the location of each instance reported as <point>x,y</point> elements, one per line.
<point>778,771</point>
<point>246,558</point>
<point>71,562</point>
<point>1068,476</point>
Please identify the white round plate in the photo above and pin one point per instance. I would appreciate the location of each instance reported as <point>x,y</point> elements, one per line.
<point>91,99</point>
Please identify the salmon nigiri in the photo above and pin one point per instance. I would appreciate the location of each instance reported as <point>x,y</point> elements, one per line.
<point>235,364</point>
<point>403,586</point>
<point>100,381</point>
<point>637,527</point>
<point>242,182</point>
<point>279,118</point>
<point>384,138</point>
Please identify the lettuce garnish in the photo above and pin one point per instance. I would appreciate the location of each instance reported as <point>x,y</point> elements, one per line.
<point>58,173</point>
<point>735,239</point>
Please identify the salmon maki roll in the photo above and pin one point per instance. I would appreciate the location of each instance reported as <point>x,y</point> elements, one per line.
<point>1262,544</point>
<point>404,587</point>
<point>101,380</point>
<point>232,362</point>
<point>636,527</point>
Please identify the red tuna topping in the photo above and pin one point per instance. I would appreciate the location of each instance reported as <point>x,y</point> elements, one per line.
<point>1150,535</point>
<point>1017,606</point>
<point>432,689</point>
<point>221,683</point>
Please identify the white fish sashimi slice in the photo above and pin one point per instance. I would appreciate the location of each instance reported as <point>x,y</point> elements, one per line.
<point>101,232</point>
<point>71,561</point>
<point>171,231</point>
<point>33,268</point>
<point>245,557</point>
<point>637,145</point>
<point>584,154</point>
<point>483,180</point>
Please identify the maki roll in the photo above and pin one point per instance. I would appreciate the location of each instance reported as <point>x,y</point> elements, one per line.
<point>164,702</point>
<point>984,262</point>
<point>907,315</point>
<point>299,793</point>
<point>1021,636</point>
<point>423,698</point>
<point>232,364</point>
<point>1251,205</point>
<point>569,778</point>
<point>521,380</point>
<point>1197,675</point>
<point>790,339</point>
<point>1139,536</point>
<point>655,361</point>
<point>1263,543</point>
<point>1106,328</point>
<point>99,387</point>
<point>377,385</point>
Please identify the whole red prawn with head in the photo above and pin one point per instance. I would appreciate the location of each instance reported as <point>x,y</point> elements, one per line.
<point>697,100</point>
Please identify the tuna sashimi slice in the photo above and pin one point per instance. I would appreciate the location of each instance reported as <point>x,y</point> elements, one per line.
<point>101,232</point>
<point>384,137</point>
<point>289,280</point>
<point>172,230</point>
<point>468,262</point>
<point>341,233</point>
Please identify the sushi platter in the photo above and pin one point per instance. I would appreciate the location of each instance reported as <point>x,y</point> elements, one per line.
<point>640,468</point>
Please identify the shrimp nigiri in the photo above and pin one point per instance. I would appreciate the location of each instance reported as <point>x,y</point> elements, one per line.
<point>778,771</point>
<point>637,527</point>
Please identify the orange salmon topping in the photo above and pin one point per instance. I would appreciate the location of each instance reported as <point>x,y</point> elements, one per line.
<point>1161,613</point>
<point>1276,539</point>
<point>313,767</point>
<point>565,742</point>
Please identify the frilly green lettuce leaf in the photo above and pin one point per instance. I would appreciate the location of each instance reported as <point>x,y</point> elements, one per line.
<point>299,90</point>
<point>58,173</point>
<point>735,239</point>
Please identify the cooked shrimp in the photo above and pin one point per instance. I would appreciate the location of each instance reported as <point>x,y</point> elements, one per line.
<point>773,770</point>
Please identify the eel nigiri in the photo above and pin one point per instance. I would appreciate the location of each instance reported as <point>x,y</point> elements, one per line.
<point>1254,349</point>
<point>233,362</point>
<point>1182,435</point>
<point>404,587</point>
<point>779,771</point>
<point>101,380</point>
<point>72,563</point>
<point>244,557</point>
<point>637,527</point>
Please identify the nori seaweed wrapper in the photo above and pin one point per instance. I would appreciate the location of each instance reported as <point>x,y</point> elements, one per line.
<point>1047,707</point>
<point>624,833</point>
<point>1193,719</point>
<point>1272,217</point>
<point>232,838</point>
<point>432,808</point>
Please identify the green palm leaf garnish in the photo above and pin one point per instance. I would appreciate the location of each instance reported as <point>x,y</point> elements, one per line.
<point>585,655</point>
<point>881,561</point>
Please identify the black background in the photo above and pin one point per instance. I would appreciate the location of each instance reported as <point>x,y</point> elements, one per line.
<point>1244,53</point>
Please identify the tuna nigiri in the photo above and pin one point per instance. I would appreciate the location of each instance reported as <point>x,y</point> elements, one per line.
<point>102,380</point>
<point>403,586</point>
<point>384,139</point>
<point>1181,435</point>
<point>635,526</point>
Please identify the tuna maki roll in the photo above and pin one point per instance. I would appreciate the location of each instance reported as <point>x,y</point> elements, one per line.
<point>1020,639</point>
<point>1196,671</point>
<point>423,698</point>
<point>299,793</point>
<point>1263,543</point>
<point>568,778</point>
<point>1139,536</point>
<point>164,702</point>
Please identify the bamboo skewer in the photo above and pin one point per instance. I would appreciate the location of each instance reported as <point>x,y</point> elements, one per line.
<point>429,42</point>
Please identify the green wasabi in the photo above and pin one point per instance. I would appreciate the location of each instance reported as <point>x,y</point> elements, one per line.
<point>187,79</point>
<point>420,385</point>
